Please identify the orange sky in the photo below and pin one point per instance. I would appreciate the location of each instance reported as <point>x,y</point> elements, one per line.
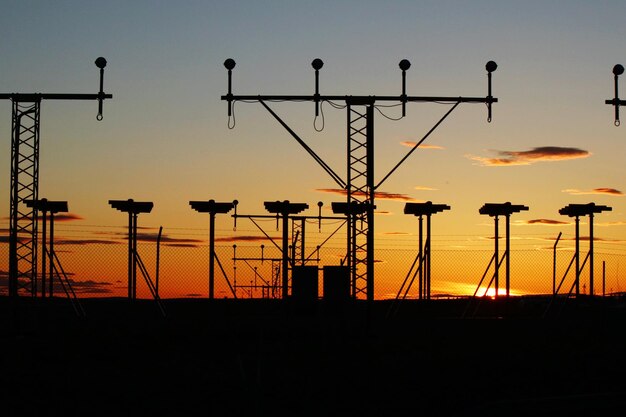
<point>165,136</point>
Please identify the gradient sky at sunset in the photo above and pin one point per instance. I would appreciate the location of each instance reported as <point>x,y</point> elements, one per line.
<point>165,135</point>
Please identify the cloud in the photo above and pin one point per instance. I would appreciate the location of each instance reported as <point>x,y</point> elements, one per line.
<point>424,188</point>
<point>244,239</point>
<point>396,233</point>
<point>63,217</point>
<point>89,284</point>
<point>546,222</point>
<point>66,217</point>
<point>6,238</point>
<point>381,195</point>
<point>618,223</point>
<point>85,242</point>
<point>540,154</point>
<point>423,146</point>
<point>597,239</point>
<point>169,241</point>
<point>602,190</point>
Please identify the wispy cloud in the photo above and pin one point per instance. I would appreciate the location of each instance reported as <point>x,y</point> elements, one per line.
<point>540,154</point>
<point>66,217</point>
<point>424,188</point>
<point>6,238</point>
<point>396,233</point>
<point>244,239</point>
<point>91,287</point>
<point>169,241</point>
<point>86,287</point>
<point>597,239</point>
<point>85,242</point>
<point>618,223</point>
<point>63,217</point>
<point>381,195</point>
<point>602,190</point>
<point>422,146</point>
<point>545,222</point>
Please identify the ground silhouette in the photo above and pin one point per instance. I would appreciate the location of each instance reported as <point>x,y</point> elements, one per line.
<point>272,357</point>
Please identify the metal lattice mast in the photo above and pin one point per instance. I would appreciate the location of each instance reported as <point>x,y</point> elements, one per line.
<point>24,186</point>
<point>360,191</point>
<point>298,229</point>
<point>25,180</point>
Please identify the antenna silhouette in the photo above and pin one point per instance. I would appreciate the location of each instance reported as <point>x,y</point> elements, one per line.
<point>56,269</point>
<point>25,179</point>
<point>134,208</point>
<point>213,208</point>
<point>360,185</point>
<point>495,210</point>
<point>283,211</point>
<point>420,210</point>
<point>616,102</point>
<point>577,211</point>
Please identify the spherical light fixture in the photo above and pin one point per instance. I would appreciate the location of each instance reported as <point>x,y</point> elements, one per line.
<point>229,64</point>
<point>491,66</point>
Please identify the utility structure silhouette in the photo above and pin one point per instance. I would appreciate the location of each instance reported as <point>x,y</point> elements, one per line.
<point>495,210</point>
<point>616,102</point>
<point>283,211</point>
<point>25,179</point>
<point>576,211</point>
<point>423,258</point>
<point>48,209</point>
<point>359,186</point>
<point>213,208</point>
<point>134,208</point>
<point>271,288</point>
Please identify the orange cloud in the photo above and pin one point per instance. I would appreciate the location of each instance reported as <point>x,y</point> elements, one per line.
<point>86,242</point>
<point>412,144</point>
<point>597,239</point>
<point>64,217</point>
<point>378,194</point>
<point>424,188</point>
<point>540,154</point>
<point>243,239</point>
<point>169,241</point>
<point>619,223</point>
<point>602,190</point>
<point>547,222</point>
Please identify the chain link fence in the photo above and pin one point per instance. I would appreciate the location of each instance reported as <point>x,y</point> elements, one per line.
<point>99,268</point>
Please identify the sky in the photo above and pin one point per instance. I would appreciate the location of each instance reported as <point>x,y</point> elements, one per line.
<point>165,135</point>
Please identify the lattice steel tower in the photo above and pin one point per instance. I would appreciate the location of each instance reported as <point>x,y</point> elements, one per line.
<point>25,181</point>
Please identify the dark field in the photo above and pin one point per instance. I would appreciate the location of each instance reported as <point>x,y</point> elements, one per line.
<point>264,358</point>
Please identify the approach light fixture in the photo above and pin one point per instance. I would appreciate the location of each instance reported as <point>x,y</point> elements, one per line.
<point>616,102</point>
<point>101,62</point>
<point>491,66</point>
<point>317,64</point>
<point>404,65</point>
<point>229,64</point>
